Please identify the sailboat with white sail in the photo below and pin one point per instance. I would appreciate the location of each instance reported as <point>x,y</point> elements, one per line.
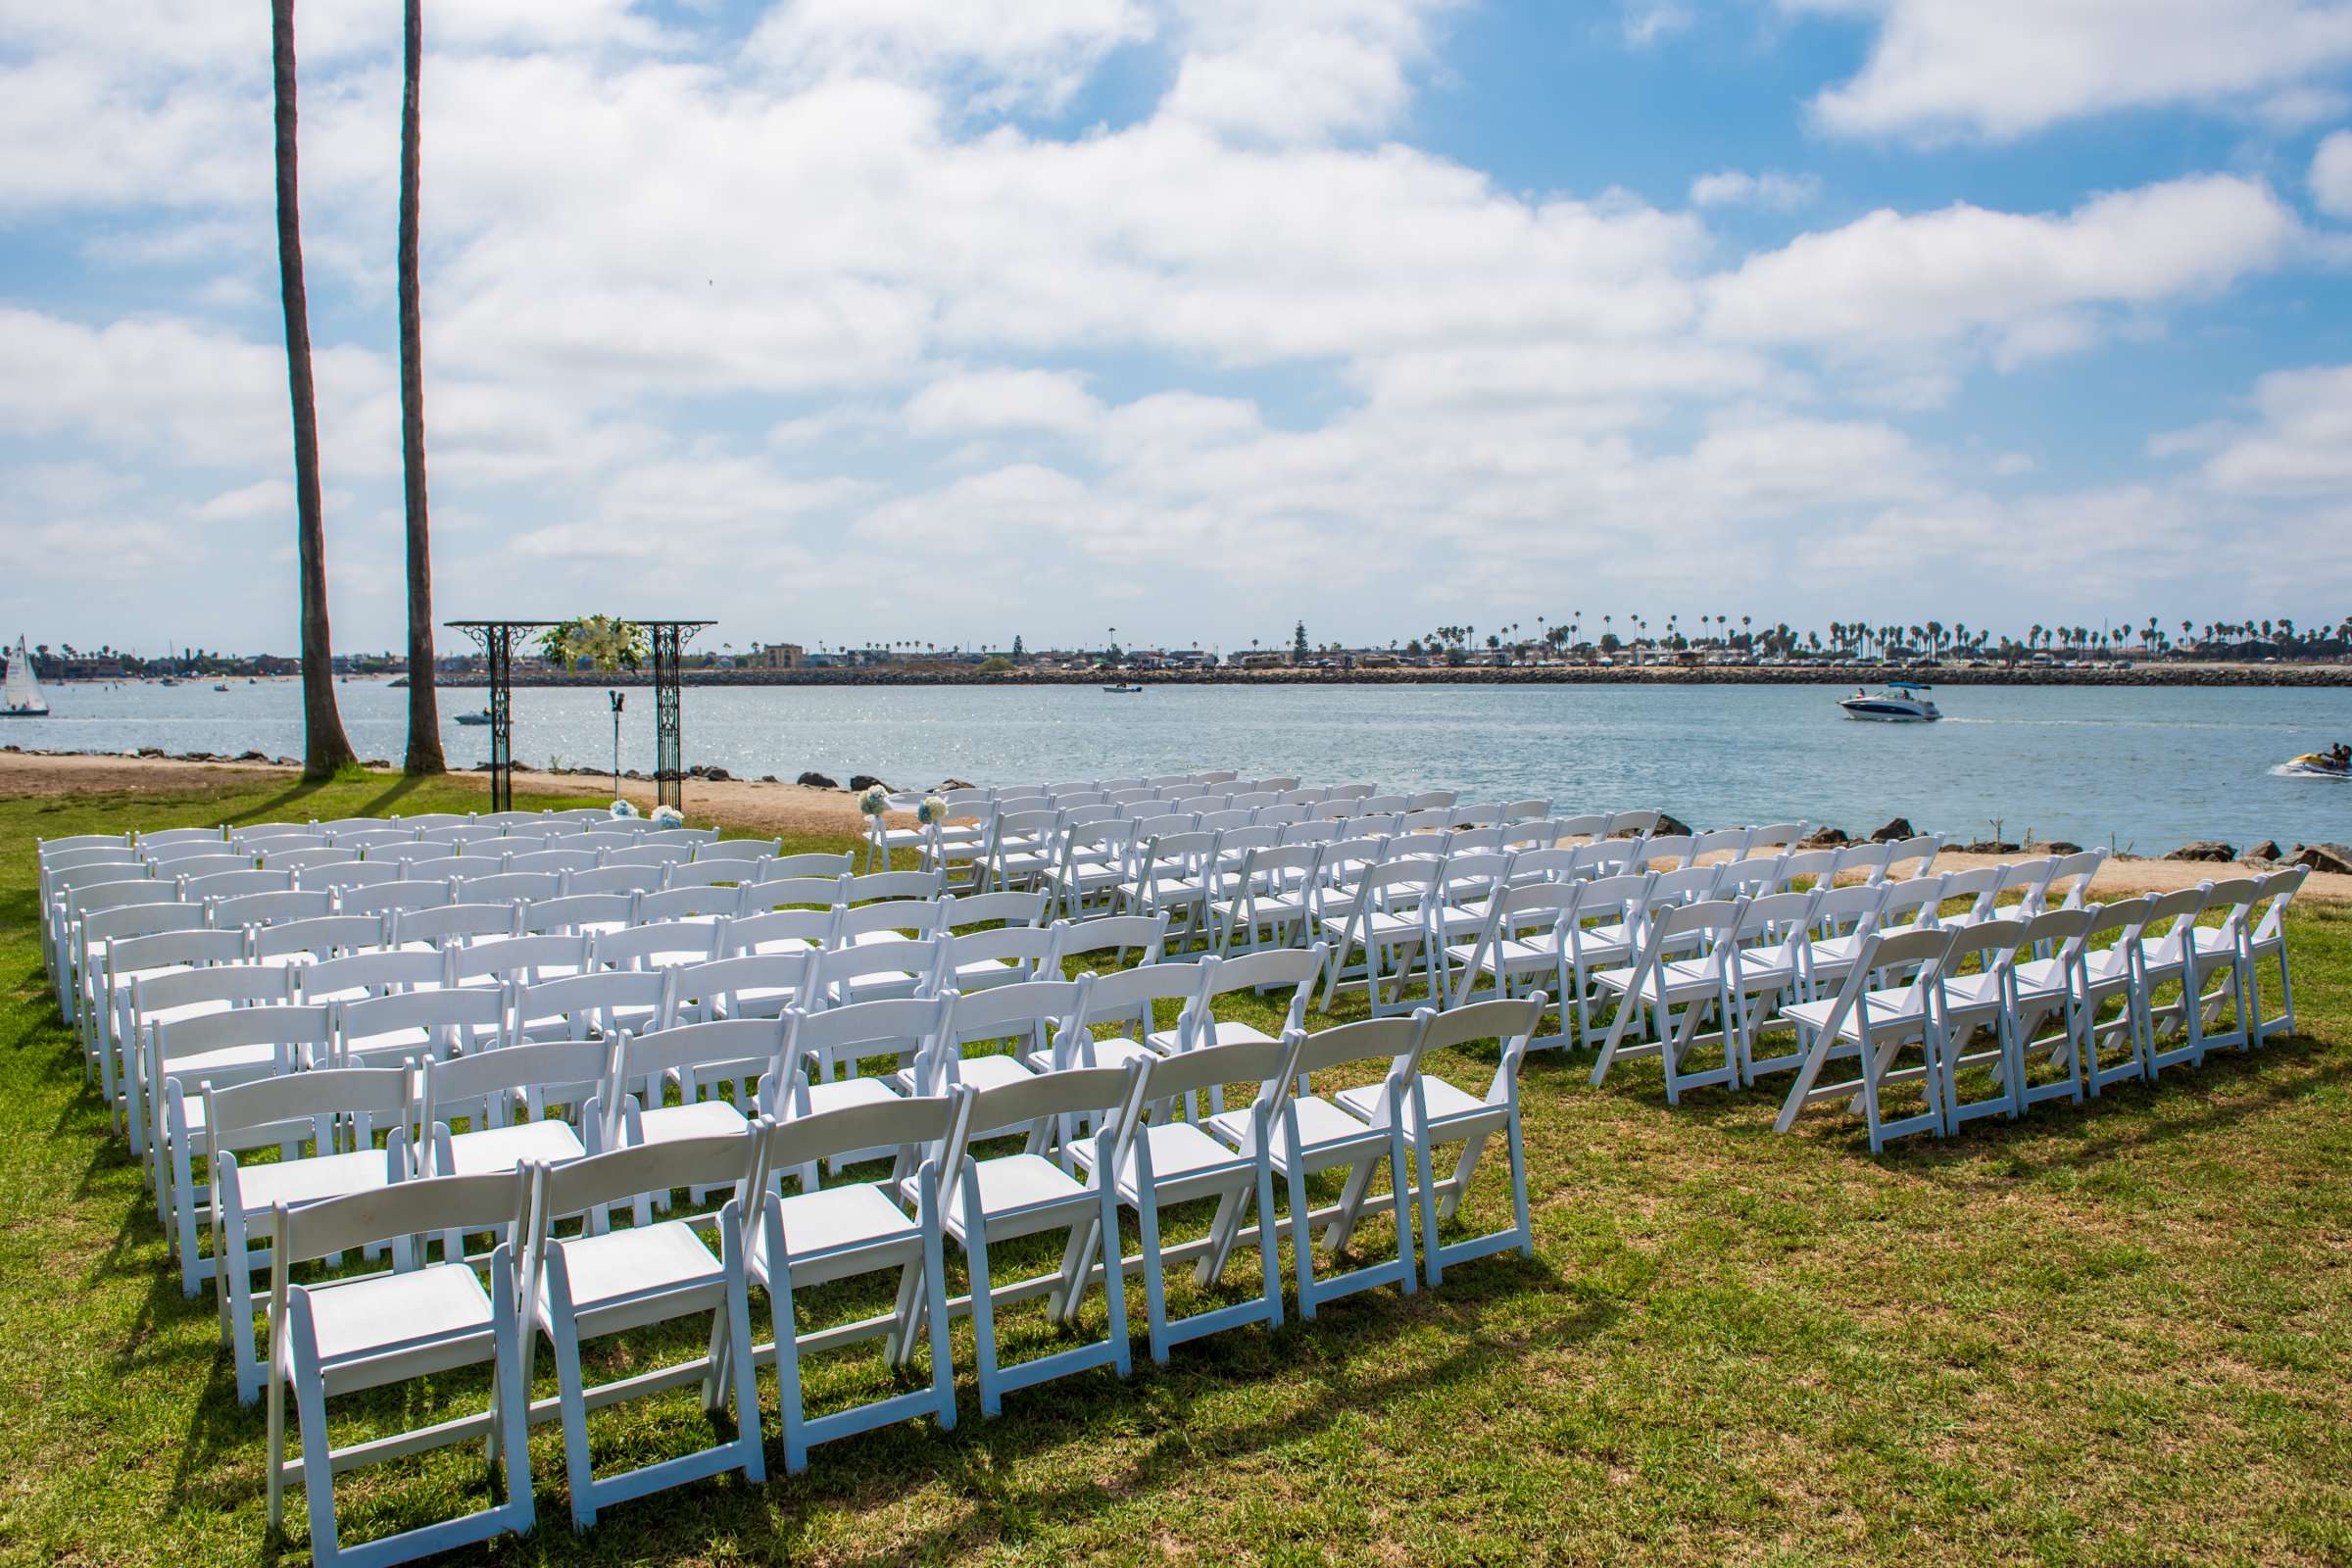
<point>23,697</point>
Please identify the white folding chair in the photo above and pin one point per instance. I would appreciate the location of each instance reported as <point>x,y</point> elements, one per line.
<point>820,1235</point>
<point>1656,984</point>
<point>1315,1135</point>
<point>603,1281</point>
<point>1871,1023</point>
<point>1003,1197</point>
<point>349,1335</point>
<point>337,1113</point>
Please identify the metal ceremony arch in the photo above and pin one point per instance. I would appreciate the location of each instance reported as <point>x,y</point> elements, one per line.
<point>669,637</point>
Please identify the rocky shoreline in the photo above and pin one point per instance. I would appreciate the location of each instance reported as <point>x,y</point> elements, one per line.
<point>811,788</point>
<point>2271,675</point>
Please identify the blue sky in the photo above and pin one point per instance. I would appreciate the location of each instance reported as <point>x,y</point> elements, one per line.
<point>849,320</point>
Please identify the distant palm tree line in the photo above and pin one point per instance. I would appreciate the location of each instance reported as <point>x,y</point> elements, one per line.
<point>1859,639</point>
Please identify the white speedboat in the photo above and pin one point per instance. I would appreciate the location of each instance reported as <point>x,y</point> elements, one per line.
<point>1898,702</point>
<point>481,718</point>
<point>24,699</point>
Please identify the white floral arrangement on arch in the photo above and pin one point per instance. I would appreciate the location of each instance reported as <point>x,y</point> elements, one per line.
<point>668,816</point>
<point>874,802</point>
<point>932,813</point>
<point>623,809</point>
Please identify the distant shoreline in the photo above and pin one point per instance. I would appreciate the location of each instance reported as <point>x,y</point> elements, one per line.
<point>2268,675</point>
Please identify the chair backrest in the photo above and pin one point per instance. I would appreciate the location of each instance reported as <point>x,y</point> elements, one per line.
<point>425,821</point>
<point>240,985</point>
<point>1025,947</point>
<point>2068,886</point>
<point>1731,842</point>
<point>405,851</point>
<point>745,1049</point>
<point>468,868</point>
<point>578,911</point>
<point>164,950</point>
<point>1512,1022</point>
<point>2234,896</point>
<point>796,891</point>
<point>781,929</point>
<point>304,856</point>
<point>1779,921</point>
<point>75,843</point>
<point>556,861</point>
<point>443,923</point>
<point>201,856</point>
<point>827,865</point>
<point>347,874</point>
<point>576,1071</point>
<point>2163,928</point>
<point>112,852</point>
<point>270,908</point>
<point>894,914</point>
<point>653,857</point>
<point>87,901</point>
<point>1011,908</point>
<point>1913,958</point>
<point>527,960</point>
<point>1750,875</point>
<point>835,968</point>
<point>396,1213</point>
<point>233,884</point>
<point>1978,885</point>
<point>141,920</point>
<point>2274,893</point>
<point>729,979</point>
<point>1908,902</point>
<point>2063,930</point>
<point>445,1014</point>
<point>182,835</point>
<point>908,1123</point>
<point>1868,859</point>
<point>1691,884</point>
<point>893,885</point>
<point>1814,866</point>
<point>509,887</point>
<point>723,871</point>
<point>657,946</point>
<point>841,1036</point>
<point>1395,1043</point>
<point>701,905</point>
<point>1923,848</point>
<point>359,975</point>
<point>1117,935</point>
<point>289,1029</point>
<point>1774,836</point>
<point>580,1005</point>
<point>1030,1013</point>
<point>1044,1103</point>
<point>1675,850</point>
<point>288,1108</point>
<point>324,937</point>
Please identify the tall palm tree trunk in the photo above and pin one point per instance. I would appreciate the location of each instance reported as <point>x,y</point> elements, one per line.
<point>424,713</point>
<point>324,748</point>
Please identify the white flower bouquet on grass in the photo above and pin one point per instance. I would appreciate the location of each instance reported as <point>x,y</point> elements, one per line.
<point>874,802</point>
<point>932,813</point>
<point>668,816</point>
<point>623,809</point>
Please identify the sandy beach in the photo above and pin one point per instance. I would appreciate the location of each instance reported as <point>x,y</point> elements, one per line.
<point>794,809</point>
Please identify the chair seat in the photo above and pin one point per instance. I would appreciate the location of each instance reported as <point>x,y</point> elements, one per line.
<point>693,1118</point>
<point>495,1149</point>
<point>1683,975</point>
<point>856,1215</point>
<point>1321,1122</point>
<point>986,972</point>
<point>993,1071</point>
<point>1228,1032</point>
<point>1011,1183</point>
<point>395,1311</point>
<point>840,1092</point>
<point>1813,1015</point>
<point>1445,1101</point>
<point>1180,1149</point>
<point>642,1260</point>
<point>1379,925</point>
<point>1110,1051</point>
<point>294,1182</point>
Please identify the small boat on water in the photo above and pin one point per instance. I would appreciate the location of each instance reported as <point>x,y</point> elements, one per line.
<point>1126,688</point>
<point>23,697</point>
<point>220,686</point>
<point>481,717</point>
<point>2316,764</point>
<point>1898,702</point>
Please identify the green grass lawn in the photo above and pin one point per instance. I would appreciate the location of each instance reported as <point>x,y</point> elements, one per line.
<point>2114,1334</point>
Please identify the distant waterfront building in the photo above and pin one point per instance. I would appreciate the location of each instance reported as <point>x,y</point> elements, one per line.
<point>781,656</point>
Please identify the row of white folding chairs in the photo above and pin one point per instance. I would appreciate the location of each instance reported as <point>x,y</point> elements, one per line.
<point>1912,990</point>
<point>286,930</point>
<point>197,861</point>
<point>1566,934</point>
<point>1095,1148</point>
<point>1022,847</point>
